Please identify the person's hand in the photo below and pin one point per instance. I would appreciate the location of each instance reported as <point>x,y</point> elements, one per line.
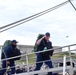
<point>8,62</point>
<point>43,36</point>
<point>38,42</point>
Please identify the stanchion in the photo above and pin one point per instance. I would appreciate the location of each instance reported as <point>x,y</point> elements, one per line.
<point>64,64</point>
<point>27,63</point>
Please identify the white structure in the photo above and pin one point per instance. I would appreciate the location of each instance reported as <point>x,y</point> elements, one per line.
<point>58,69</point>
<point>0,56</point>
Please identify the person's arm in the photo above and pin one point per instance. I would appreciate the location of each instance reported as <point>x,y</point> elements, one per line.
<point>51,45</point>
<point>39,41</point>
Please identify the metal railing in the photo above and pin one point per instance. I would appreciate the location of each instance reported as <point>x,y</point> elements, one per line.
<point>63,69</point>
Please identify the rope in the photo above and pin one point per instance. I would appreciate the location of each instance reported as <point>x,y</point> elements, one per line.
<point>72,5</point>
<point>17,23</point>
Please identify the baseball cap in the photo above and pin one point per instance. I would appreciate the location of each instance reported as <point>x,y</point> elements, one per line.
<point>14,41</point>
<point>47,34</point>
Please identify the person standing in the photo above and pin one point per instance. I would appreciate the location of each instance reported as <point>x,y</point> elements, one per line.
<point>43,44</point>
<point>10,62</point>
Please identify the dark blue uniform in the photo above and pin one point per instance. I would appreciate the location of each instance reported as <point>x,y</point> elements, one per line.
<point>8,53</point>
<point>44,56</point>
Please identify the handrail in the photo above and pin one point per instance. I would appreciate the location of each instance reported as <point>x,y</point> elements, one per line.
<point>41,52</point>
<point>68,46</point>
<point>45,71</point>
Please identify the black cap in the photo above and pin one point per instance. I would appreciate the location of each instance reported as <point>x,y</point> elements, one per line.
<point>14,41</point>
<point>47,34</point>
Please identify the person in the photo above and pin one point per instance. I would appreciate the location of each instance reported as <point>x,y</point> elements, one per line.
<point>43,44</point>
<point>18,70</point>
<point>9,62</point>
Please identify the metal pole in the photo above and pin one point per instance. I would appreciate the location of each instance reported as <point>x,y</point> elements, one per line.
<point>27,63</point>
<point>71,69</point>
<point>64,64</point>
<point>0,56</point>
<point>58,65</point>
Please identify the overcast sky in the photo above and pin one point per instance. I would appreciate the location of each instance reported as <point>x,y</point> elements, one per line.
<point>60,23</point>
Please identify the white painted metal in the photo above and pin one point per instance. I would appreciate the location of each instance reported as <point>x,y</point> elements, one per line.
<point>71,70</point>
<point>59,69</point>
<point>27,64</point>
<point>64,64</point>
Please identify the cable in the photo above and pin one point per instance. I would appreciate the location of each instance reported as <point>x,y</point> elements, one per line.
<point>31,17</point>
<point>72,4</point>
<point>25,18</point>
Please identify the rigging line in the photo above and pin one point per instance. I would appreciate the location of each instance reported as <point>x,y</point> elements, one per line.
<point>33,15</point>
<point>72,5</point>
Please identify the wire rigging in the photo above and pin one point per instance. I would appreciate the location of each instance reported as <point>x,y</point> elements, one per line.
<point>72,5</point>
<point>17,23</point>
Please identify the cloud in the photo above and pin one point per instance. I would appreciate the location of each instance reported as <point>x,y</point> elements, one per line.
<point>59,23</point>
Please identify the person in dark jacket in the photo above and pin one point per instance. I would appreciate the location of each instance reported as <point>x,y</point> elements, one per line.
<point>9,62</point>
<point>44,44</point>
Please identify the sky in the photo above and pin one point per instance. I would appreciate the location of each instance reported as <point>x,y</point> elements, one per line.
<point>60,22</point>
